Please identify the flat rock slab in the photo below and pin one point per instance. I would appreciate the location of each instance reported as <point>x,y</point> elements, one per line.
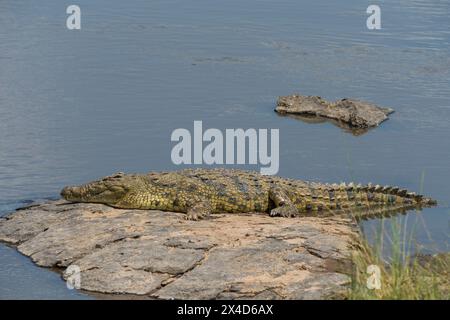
<point>354,115</point>
<point>160,255</point>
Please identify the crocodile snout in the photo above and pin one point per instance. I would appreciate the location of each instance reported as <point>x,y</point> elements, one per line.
<point>70,193</point>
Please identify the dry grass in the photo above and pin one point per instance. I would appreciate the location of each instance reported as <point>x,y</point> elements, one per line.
<point>402,276</point>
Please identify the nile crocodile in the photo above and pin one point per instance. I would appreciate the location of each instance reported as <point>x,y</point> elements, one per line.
<point>199,192</point>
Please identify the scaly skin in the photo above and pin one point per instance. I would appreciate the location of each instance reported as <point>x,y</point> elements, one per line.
<point>199,192</point>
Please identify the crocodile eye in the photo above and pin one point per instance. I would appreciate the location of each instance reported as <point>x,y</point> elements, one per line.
<point>118,174</point>
<point>116,189</point>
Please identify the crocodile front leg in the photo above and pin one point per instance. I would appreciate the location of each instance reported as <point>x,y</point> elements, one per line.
<point>198,210</point>
<point>283,205</point>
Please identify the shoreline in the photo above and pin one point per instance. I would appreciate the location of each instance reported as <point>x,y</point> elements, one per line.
<point>135,254</point>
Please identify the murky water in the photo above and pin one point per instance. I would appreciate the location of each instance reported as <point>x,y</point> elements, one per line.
<point>77,105</point>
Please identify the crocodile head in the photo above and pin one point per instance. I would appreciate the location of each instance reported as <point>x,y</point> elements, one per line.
<point>109,190</point>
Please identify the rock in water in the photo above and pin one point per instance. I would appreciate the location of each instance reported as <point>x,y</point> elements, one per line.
<point>161,255</point>
<point>348,113</point>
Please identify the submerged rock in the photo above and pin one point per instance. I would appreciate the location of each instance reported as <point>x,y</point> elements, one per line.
<point>160,255</point>
<point>354,115</point>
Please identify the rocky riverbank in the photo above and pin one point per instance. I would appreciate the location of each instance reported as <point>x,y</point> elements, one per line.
<point>160,255</point>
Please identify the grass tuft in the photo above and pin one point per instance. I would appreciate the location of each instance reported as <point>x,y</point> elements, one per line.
<point>402,276</point>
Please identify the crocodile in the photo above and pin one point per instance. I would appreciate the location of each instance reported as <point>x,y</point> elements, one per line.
<point>200,192</point>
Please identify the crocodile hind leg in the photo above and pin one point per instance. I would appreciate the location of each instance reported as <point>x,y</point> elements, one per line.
<point>198,210</point>
<point>283,205</point>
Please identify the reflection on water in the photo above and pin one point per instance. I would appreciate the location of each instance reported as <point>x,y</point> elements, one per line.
<point>317,119</point>
<point>77,105</point>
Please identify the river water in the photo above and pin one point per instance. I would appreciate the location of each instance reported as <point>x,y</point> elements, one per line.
<point>79,104</point>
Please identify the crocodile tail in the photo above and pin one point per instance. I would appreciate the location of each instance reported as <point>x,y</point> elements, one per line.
<point>367,201</point>
<point>396,196</point>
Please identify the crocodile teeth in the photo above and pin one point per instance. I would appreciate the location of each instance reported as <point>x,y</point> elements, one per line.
<point>387,189</point>
<point>411,194</point>
<point>378,188</point>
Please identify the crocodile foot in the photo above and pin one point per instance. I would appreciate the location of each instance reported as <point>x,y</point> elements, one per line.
<point>286,211</point>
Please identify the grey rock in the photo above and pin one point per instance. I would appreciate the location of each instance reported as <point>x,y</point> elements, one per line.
<point>353,115</point>
<point>159,255</point>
